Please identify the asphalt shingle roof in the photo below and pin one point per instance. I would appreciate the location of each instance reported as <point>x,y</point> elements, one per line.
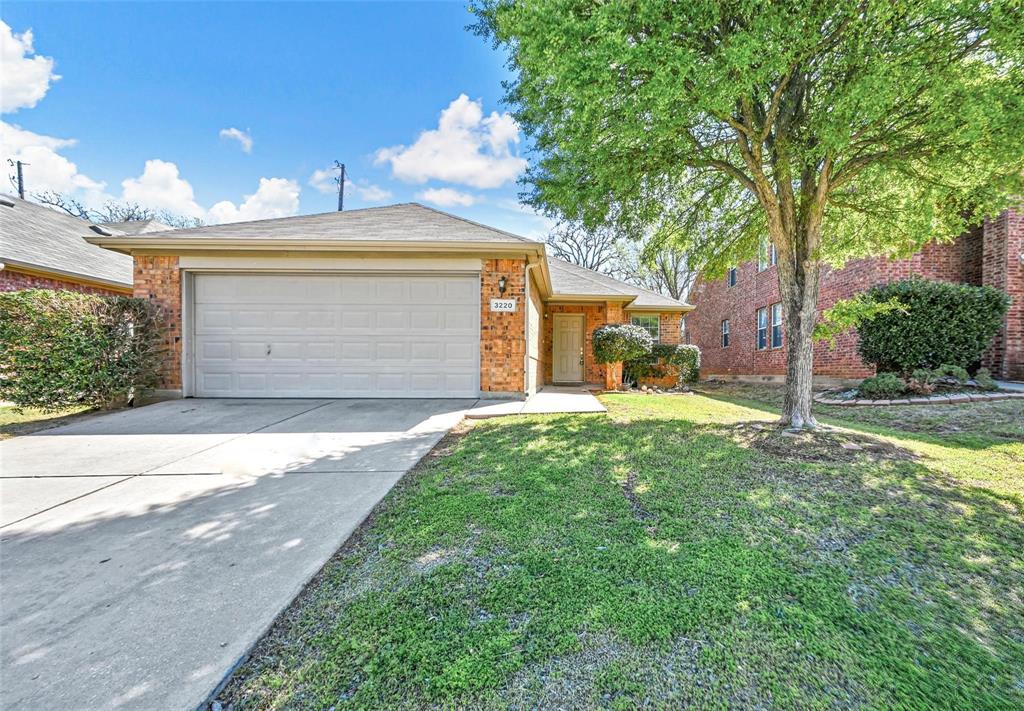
<point>136,227</point>
<point>36,236</point>
<point>407,222</point>
<point>569,279</point>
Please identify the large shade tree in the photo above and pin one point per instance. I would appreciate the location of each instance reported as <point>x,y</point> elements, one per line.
<point>835,128</point>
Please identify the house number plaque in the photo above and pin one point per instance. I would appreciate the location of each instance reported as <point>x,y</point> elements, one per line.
<point>506,305</point>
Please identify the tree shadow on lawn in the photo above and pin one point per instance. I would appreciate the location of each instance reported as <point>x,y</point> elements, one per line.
<point>904,421</point>
<point>584,561</point>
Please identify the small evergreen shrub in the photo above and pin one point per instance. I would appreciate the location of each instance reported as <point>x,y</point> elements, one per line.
<point>985,380</point>
<point>954,372</point>
<point>922,382</point>
<point>938,323</point>
<point>620,342</point>
<point>61,348</point>
<point>682,361</point>
<point>882,386</point>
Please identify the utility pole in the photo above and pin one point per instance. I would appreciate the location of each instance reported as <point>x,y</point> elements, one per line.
<point>21,177</point>
<point>341,185</point>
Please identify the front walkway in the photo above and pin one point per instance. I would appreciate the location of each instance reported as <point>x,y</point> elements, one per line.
<point>551,399</point>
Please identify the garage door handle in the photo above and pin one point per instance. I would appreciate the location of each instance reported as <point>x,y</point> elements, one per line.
<point>268,349</point>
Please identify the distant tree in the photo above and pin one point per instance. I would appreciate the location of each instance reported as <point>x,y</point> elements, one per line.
<point>664,269</point>
<point>836,129</point>
<point>112,211</point>
<point>592,248</point>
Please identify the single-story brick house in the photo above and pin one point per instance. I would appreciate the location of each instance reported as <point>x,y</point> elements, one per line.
<point>41,248</point>
<point>737,322</point>
<point>396,301</point>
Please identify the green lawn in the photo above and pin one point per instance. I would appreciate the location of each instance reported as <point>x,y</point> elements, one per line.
<point>665,555</point>
<point>15,421</point>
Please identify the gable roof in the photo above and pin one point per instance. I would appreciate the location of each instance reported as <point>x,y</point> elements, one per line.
<point>568,279</point>
<point>405,222</point>
<point>136,227</point>
<point>38,238</point>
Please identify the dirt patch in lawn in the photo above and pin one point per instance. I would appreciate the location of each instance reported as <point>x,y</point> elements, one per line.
<point>823,446</point>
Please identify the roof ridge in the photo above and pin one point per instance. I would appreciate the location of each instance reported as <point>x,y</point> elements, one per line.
<point>471,222</point>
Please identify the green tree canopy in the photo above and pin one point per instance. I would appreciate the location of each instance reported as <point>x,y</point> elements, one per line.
<point>836,128</point>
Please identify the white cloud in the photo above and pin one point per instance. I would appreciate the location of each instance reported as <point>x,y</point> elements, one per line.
<point>446,197</point>
<point>326,182</point>
<point>161,187</point>
<point>46,169</point>
<point>275,197</point>
<point>465,148</point>
<point>237,134</point>
<point>26,76</point>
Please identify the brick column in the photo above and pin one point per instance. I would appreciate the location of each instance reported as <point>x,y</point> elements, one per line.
<point>503,334</point>
<point>159,280</point>
<point>613,371</point>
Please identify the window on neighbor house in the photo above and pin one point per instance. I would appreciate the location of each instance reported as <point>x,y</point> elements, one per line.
<point>650,323</point>
<point>776,325</point>
<point>725,333</point>
<point>762,328</point>
<point>684,335</point>
<point>766,255</point>
<point>732,276</point>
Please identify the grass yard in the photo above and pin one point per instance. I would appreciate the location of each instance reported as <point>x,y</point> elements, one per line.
<point>678,551</point>
<point>14,422</point>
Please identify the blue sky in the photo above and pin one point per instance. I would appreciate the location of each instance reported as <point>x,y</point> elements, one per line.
<point>148,95</point>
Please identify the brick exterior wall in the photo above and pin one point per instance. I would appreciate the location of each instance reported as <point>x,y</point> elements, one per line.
<point>159,280</point>
<point>503,335</point>
<point>12,280</point>
<point>979,256</point>
<point>1003,268</point>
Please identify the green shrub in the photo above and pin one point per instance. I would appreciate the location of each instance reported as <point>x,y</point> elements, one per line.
<point>985,380</point>
<point>883,385</point>
<point>682,361</point>
<point>952,371</point>
<point>61,348</point>
<point>939,323</point>
<point>620,342</point>
<point>922,382</point>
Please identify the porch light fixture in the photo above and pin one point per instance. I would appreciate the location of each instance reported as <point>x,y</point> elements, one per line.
<point>502,283</point>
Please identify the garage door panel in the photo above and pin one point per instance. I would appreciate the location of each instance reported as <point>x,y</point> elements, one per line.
<point>336,336</point>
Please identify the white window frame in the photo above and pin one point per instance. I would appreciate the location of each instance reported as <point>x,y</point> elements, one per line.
<point>762,329</point>
<point>776,311</point>
<point>656,334</point>
<point>725,333</point>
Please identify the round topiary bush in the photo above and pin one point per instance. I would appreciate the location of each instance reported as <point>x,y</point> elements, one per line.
<point>619,342</point>
<point>687,358</point>
<point>61,348</point>
<point>940,323</point>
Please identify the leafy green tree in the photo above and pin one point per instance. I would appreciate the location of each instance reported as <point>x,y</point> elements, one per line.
<point>837,128</point>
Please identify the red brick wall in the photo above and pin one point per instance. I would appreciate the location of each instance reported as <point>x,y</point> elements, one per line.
<point>503,335</point>
<point>1003,268</point>
<point>958,261</point>
<point>159,279</point>
<point>11,280</point>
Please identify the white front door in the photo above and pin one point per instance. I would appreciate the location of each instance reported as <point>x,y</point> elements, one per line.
<point>302,335</point>
<point>567,348</point>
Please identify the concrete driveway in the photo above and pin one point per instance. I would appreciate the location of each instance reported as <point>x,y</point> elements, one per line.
<point>143,552</point>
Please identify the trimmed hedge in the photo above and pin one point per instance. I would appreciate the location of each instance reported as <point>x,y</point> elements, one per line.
<point>940,324</point>
<point>682,360</point>
<point>620,342</point>
<point>61,348</point>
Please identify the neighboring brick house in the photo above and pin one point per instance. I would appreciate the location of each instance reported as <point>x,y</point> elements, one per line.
<point>742,303</point>
<point>396,301</point>
<point>41,248</point>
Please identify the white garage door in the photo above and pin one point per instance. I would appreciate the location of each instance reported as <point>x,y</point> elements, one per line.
<point>282,335</point>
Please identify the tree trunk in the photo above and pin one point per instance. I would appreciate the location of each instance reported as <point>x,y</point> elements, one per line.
<point>799,276</point>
